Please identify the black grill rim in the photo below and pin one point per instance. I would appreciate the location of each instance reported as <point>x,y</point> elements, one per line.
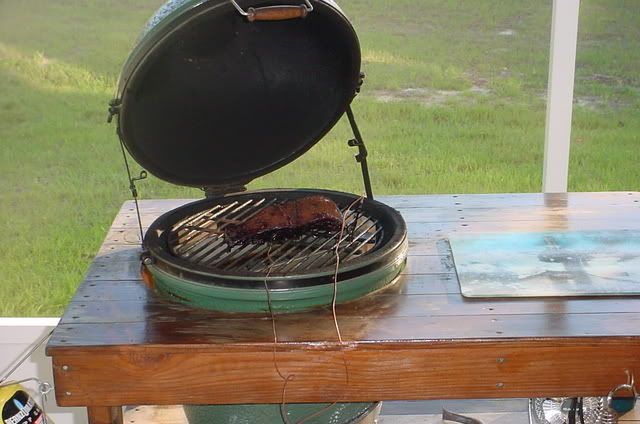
<point>392,247</point>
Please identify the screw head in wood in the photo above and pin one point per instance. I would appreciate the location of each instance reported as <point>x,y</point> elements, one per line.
<point>65,368</point>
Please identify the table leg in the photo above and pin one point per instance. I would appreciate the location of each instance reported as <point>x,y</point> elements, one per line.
<point>104,414</point>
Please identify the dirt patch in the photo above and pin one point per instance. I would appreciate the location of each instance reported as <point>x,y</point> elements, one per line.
<point>598,103</point>
<point>425,96</point>
<point>607,79</point>
<point>612,80</point>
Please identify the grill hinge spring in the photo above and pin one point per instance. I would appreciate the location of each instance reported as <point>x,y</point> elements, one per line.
<point>361,157</point>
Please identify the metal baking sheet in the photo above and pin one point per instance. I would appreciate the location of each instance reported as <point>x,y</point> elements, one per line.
<point>588,263</point>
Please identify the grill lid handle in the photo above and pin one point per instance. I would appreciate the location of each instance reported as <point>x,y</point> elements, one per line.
<point>275,13</point>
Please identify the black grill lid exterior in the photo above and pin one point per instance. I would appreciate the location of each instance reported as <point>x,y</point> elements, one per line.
<point>209,98</point>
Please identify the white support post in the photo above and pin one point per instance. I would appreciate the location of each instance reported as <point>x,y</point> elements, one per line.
<point>562,66</point>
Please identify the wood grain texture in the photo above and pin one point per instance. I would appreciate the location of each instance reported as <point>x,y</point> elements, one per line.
<point>436,370</point>
<point>382,305</point>
<point>156,415</point>
<point>251,333</point>
<point>419,339</point>
<point>104,415</point>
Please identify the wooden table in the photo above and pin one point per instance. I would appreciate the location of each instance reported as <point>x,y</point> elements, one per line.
<point>119,344</point>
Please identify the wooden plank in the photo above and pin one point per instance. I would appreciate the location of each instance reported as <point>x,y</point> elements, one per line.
<point>453,214</point>
<point>421,230</point>
<point>120,236</point>
<point>109,270</point>
<point>445,283</point>
<point>239,333</point>
<point>384,304</point>
<point>111,291</point>
<point>429,246</point>
<point>441,230</point>
<point>118,253</point>
<point>173,414</point>
<point>424,215</point>
<point>104,415</point>
<point>537,368</point>
<point>499,200</point>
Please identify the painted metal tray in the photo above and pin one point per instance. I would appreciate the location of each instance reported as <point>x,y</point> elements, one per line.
<point>589,263</point>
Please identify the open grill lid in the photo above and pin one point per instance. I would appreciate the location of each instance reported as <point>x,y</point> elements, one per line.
<point>209,97</point>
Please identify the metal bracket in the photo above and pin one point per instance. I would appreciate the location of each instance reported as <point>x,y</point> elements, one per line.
<point>114,109</point>
<point>134,190</point>
<point>222,190</point>
<point>360,82</point>
<point>132,183</point>
<point>361,157</point>
<point>134,193</point>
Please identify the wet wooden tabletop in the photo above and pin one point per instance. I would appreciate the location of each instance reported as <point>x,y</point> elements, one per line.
<point>119,343</point>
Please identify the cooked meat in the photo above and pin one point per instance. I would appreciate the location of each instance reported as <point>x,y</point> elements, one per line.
<point>291,219</point>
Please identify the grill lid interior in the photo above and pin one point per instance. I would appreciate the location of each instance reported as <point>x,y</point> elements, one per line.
<point>207,98</point>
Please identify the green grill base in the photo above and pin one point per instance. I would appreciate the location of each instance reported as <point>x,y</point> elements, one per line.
<point>251,300</point>
<point>340,413</point>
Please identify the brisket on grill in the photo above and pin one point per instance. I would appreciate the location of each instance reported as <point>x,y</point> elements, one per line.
<point>291,219</point>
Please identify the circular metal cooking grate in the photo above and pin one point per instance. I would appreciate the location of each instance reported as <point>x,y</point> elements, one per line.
<point>199,239</point>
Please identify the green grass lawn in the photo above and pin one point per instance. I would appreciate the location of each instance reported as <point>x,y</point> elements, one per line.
<point>453,103</point>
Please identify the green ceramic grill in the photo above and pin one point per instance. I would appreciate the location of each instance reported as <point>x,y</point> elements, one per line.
<point>217,93</point>
<point>192,263</point>
<point>343,413</point>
